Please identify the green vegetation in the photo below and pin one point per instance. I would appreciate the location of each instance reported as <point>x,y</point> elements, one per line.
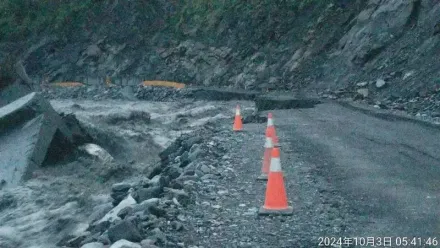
<point>21,18</point>
<point>212,19</point>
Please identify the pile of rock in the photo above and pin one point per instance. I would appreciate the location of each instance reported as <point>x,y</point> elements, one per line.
<point>423,104</point>
<point>146,212</point>
<point>89,92</point>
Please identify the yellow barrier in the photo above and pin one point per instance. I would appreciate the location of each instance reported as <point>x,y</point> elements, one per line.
<point>163,84</point>
<point>67,84</point>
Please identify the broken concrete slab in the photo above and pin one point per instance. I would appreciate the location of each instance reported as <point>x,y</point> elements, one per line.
<point>29,127</point>
<point>218,94</point>
<point>271,102</point>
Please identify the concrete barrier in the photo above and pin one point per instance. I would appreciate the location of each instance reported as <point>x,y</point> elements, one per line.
<point>218,94</point>
<point>30,129</point>
<point>271,102</point>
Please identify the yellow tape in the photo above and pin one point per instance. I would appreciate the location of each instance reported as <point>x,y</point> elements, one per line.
<point>68,84</point>
<point>163,84</point>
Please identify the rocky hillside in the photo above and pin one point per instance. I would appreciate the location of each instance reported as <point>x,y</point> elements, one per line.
<point>372,50</point>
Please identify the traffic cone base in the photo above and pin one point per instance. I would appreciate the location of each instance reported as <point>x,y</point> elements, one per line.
<point>262,177</point>
<point>286,211</point>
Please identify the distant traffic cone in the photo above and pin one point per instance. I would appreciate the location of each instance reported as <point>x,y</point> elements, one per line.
<point>238,125</point>
<point>276,197</point>
<point>267,156</point>
<point>271,129</point>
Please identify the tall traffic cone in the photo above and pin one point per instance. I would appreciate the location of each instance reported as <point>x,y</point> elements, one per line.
<point>267,156</point>
<point>238,125</point>
<point>271,129</point>
<point>276,197</point>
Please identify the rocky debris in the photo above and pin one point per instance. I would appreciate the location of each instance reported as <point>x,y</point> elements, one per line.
<point>119,192</point>
<point>124,230</point>
<point>97,152</point>
<point>148,93</point>
<point>362,84</point>
<point>90,92</point>
<point>380,83</point>
<point>144,194</point>
<point>125,244</point>
<point>366,38</point>
<point>146,211</point>
<point>100,211</point>
<point>93,51</point>
<point>148,243</point>
<point>93,245</point>
<point>362,93</point>
<point>408,74</point>
<point>423,104</point>
<point>31,132</point>
<point>195,93</point>
<point>118,187</point>
<point>72,241</point>
<point>158,181</point>
<point>180,195</point>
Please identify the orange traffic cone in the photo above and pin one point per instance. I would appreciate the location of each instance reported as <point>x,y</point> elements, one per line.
<point>276,197</point>
<point>238,125</point>
<point>271,130</point>
<point>267,156</point>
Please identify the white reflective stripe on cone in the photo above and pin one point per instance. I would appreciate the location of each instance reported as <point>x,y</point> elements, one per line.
<point>268,143</point>
<point>269,122</point>
<point>275,165</point>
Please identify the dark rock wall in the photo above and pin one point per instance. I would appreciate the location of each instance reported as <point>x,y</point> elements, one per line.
<point>324,46</point>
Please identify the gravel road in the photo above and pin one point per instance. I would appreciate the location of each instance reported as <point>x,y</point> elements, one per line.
<point>348,175</point>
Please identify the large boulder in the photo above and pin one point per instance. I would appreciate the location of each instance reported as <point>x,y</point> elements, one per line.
<point>32,132</point>
<point>124,230</point>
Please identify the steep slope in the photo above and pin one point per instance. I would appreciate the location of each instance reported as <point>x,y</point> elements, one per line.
<point>311,46</point>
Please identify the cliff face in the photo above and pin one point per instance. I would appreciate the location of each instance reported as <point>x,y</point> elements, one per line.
<point>313,47</point>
